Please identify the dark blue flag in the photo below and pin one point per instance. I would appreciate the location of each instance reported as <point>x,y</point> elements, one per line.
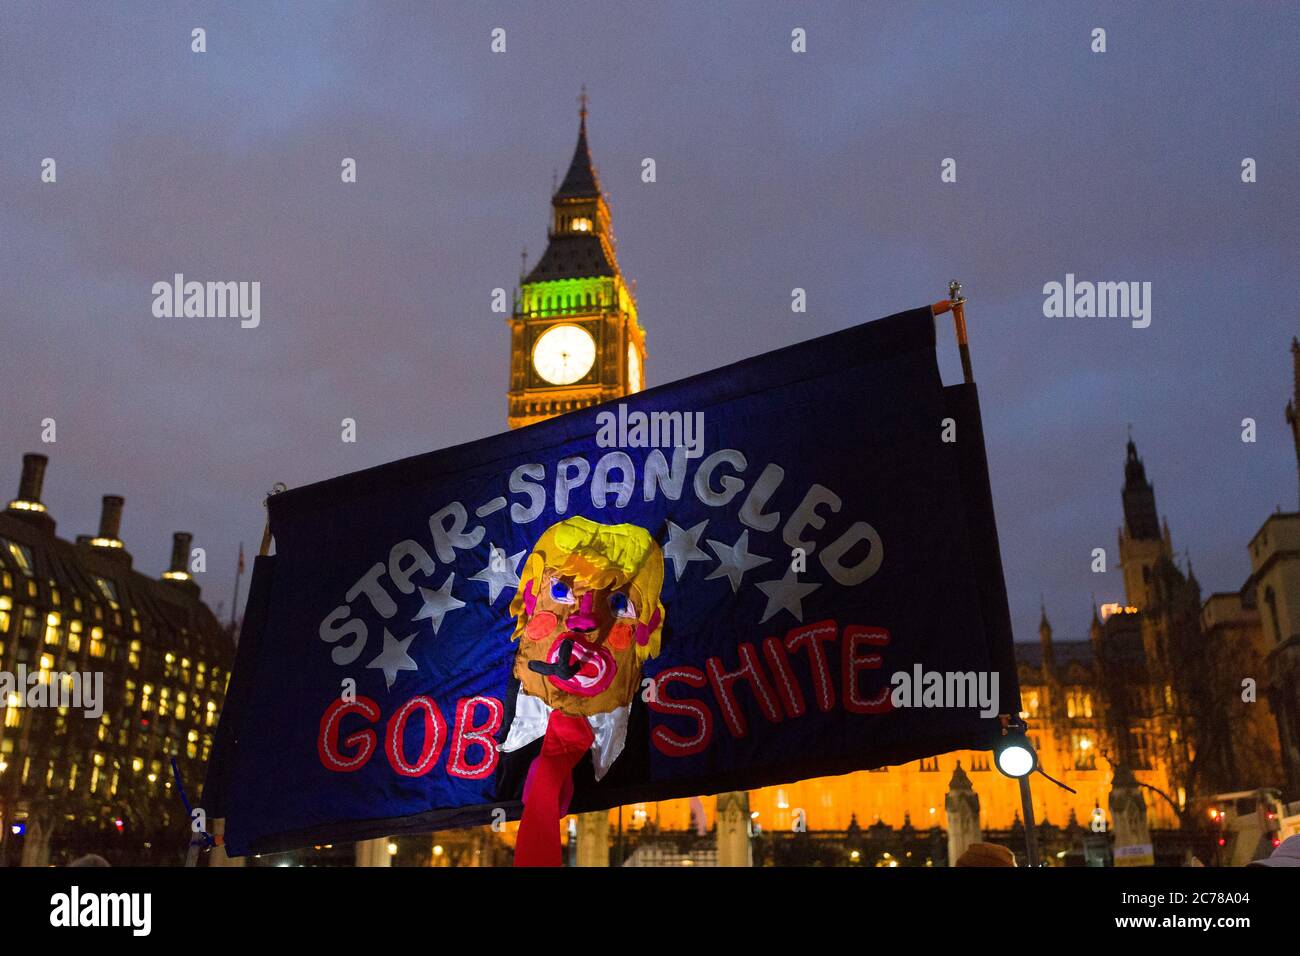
<point>781,569</point>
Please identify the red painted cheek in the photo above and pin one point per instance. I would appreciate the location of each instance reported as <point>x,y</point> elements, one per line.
<point>643,631</point>
<point>541,626</point>
<point>620,636</point>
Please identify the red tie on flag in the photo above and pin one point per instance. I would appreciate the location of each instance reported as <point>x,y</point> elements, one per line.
<point>548,789</point>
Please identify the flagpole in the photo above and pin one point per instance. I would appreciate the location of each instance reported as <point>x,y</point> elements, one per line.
<point>956,304</point>
<point>219,856</point>
<point>265,549</point>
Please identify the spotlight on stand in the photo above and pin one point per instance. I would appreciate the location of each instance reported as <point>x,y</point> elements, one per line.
<point>1015,757</point>
<point>1013,753</point>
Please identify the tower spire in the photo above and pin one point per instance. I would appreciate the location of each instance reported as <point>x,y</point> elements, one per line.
<point>1140,518</point>
<point>580,182</point>
<point>575,337</point>
<point>1045,637</point>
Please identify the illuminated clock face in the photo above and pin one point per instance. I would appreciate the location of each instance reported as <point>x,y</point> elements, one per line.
<point>564,354</point>
<point>633,370</point>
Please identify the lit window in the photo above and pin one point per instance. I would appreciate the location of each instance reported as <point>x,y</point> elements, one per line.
<point>96,642</point>
<point>20,553</point>
<point>108,589</point>
<point>1085,757</point>
<point>52,633</point>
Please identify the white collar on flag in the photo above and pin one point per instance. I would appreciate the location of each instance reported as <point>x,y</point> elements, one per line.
<point>532,715</point>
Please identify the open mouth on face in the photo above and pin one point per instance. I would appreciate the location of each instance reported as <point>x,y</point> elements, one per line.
<point>595,667</point>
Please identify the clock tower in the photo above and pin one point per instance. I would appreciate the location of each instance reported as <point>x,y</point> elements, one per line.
<point>574,335</point>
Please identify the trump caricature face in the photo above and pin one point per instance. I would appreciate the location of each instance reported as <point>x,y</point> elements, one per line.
<point>587,613</point>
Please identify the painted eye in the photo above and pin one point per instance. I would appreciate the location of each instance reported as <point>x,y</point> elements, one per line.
<point>561,592</point>
<point>621,605</point>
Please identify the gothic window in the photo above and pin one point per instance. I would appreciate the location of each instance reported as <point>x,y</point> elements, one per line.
<point>1083,751</point>
<point>929,765</point>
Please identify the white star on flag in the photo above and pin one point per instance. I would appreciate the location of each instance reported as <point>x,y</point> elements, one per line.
<point>683,547</point>
<point>734,560</point>
<point>500,572</point>
<point>393,658</point>
<point>438,603</point>
<point>787,594</point>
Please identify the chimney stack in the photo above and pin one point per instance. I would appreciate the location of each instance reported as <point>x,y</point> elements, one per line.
<point>181,552</point>
<point>110,518</point>
<point>108,542</point>
<point>178,573</point>
<point>28,506</point>
<point>29,488</point>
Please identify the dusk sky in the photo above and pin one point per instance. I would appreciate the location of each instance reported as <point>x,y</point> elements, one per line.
<point>775,170</point>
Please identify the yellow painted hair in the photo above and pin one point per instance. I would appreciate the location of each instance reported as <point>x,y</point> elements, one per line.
<point>599,556</point>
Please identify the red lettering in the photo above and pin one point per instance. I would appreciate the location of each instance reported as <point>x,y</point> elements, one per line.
<point>749,670</point>
<point>669,743</point>
<point>855,634</point>
<point>468,734</point>
<point>812,636</point>
<point>327,743</point>
<point>435,730</point>
<point>786,684</point>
